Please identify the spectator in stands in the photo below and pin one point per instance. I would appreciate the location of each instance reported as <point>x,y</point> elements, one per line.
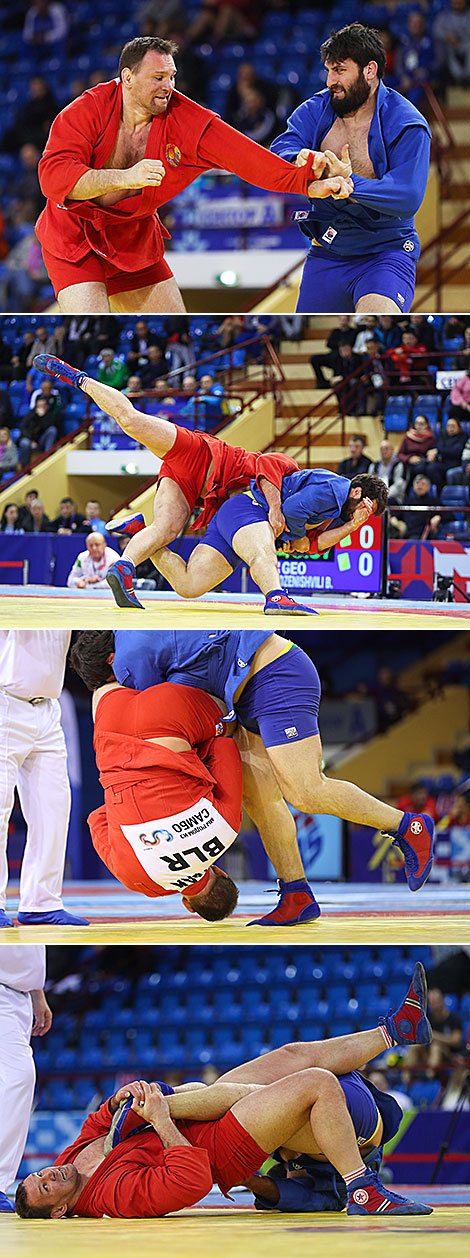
<point>462,358</point>
<point>111,370</point>
<point>141,341</point>
<point>392,702</point>
<point>25,517</point>
<point>8,454</point>
<point>69,520</point>
<point>163,18</point>
<point>391,470</point>
<point>5,360</point>
<point>154,368</point>
<point>367,325</point>
<point>33,119</point>
<point>447,1038</point>
<point>358,461</point>
<point>424,331</point>
<point>45,342</point>
<point>221,20</point>
<point>91,565</point>
<point>255,118</point>
<point>460,397</point>
<point>38,432</point>
<point>211,408</point>
<point>45,26</point>
<point>451,442</point>
<point>106,331</point>
<point>231,331</point>
<point>134,385</point>
<point>414,62</point>
<point>179,345</point>
<point>419,524</point>
<point>371,397</point>
<point>344,363</point>
<point>21,356</point>
<point>343,334</point>
<point>40,522</point>
<point>407,362</point>
<point>418,793</point>
<point>453,330</point>
<point>414,447</point>
<point>452,42</point>
<point>27,182</point>
<point>78,339</point>
<point>53,398</point>
<point>168,404</point>
<point>7,417</point>
<point>9,522</point>
<point>93,517</point>
<point>247,77</point>
<point>391,331</point>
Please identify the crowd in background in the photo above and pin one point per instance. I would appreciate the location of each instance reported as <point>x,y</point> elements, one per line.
<point>387,367</point>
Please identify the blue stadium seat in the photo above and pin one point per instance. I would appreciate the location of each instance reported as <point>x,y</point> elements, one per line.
<point>455,496</point>
<point>428,404</point>
<point>424,1091</point>
<point>397,412</point>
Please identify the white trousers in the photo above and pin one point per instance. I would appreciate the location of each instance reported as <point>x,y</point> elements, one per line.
<point>33,758</point>
<point>17,1079</point>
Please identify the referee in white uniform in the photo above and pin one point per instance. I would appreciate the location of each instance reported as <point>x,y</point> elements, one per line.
<point>33,759</point>
<point>23,1010</point>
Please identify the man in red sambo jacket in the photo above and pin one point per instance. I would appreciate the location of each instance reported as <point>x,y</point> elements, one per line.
<point>290,1097</point>
<point>118,152</point>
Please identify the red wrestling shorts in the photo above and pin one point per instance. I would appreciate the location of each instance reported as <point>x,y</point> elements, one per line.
<point>233,1153</point>
<point>92,269</point>
<point>187,464</point>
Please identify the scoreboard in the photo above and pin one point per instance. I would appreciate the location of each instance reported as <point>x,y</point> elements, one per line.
<point>354,564</point>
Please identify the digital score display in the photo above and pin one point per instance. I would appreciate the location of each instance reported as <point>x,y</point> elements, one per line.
<point>353,565</point>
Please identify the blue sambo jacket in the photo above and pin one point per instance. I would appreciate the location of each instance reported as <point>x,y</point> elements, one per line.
<point>379,214</point>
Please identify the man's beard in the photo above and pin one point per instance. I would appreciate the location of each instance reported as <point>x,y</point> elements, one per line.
<point>352,99</point>
<point>348,508</point>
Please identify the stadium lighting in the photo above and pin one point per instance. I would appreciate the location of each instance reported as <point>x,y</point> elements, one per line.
<point>228,278</point>
<point>129,469</point>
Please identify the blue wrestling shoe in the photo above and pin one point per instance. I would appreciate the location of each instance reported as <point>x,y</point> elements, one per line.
<point>129,524</point>
<point>120,577</point>
<point>6,1206</point>
<point>367,1195</point>
<point>56,918</point>
<point>4,920</point>
<point>415,838</point>
<point>279,601</point>
<point>62,371</point>
<point>409,1024</point>
<point>296,905</point>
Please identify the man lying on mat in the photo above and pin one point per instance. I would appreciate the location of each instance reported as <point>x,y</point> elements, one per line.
<point>169,1150</point>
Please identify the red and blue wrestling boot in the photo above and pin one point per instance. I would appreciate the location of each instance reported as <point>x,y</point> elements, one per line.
<point>409,1024</point>
<point>128,524</point>
<point>367,1195</point>
<point>296,905</point>
<point>120,578</point>
<point>415,838</point>
<point>62,371</point>
<point>279,602</point>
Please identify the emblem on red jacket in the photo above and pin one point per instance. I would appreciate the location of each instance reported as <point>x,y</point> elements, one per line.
<point>173,154</point>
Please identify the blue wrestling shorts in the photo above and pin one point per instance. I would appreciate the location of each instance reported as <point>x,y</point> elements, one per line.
<point>361,1105</point>
<point>281,701</point>
<point>232,516</point>
<point>332,285</point>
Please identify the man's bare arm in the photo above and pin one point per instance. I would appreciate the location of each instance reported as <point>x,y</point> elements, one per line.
<point>94,183</point>
<point>273,499</point>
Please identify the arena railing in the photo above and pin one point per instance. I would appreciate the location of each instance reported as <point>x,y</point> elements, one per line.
<point>317,425</point>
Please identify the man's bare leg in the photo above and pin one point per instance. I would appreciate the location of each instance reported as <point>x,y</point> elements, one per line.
<point>339,1055</point>
<point>373,303</point>
<point>268,809</point>
<point>279,1114</point>
<point>298,769</point>
<point>171,512</point>
<point>154,432</point>
<point>89,298</point>
<point>205,569</point>
<point>163,298</point>
<point>255,544</point>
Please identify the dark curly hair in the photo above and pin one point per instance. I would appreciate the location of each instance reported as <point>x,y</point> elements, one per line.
<point>220,901</point>
<point>361,43</point>
<point>372,487</point>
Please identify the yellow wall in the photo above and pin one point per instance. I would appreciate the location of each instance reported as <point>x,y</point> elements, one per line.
<point>427,221</point>
<point>398,754</point>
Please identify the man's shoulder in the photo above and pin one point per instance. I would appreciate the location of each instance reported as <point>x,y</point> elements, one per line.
<point>181,104</point>
<point>399,112</point>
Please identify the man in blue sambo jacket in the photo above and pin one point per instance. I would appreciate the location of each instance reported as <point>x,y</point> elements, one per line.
<point>364,249</point>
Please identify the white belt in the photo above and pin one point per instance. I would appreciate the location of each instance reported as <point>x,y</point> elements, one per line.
<point>37,699</point>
